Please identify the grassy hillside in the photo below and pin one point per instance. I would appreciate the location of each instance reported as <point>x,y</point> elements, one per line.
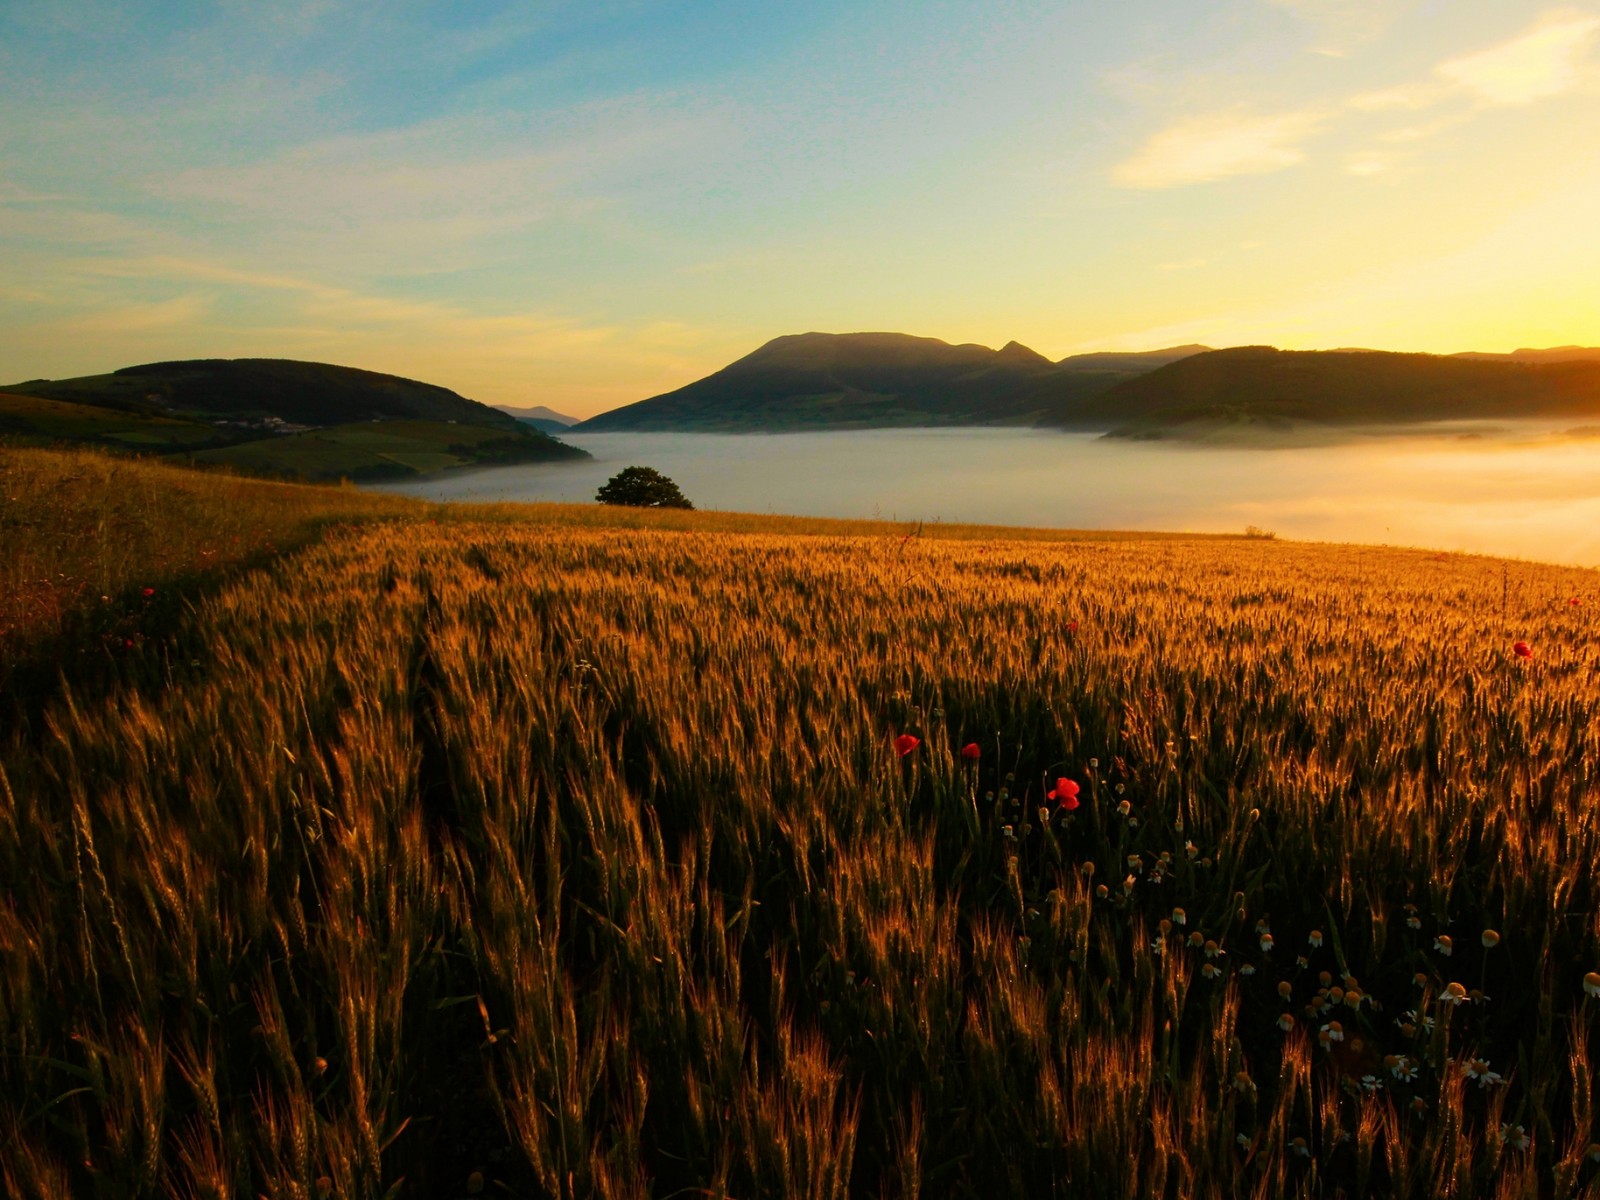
<point>36,420</point>
<point>876,380</point>
<point>1263,387</point>
<point>517,856</point>
<point>250,414</point>
<point>389,450</point>
<point>301,393</point>
<point>96,551</point>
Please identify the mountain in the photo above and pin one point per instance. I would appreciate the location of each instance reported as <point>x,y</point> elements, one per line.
<point>867,380</point>
<point>546,419</point>
<point>300,393</point>
<point>277,416</point>
<point>1269,389</point>
<point>1557,354</point>
<point>1135,362</point>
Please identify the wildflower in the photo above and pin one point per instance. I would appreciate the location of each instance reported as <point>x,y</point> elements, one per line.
<point>1247,969</point>
<point>1165,926</point>
<point>1300,960</point>
<point>1300,1147</point>
<point>1594,1152</point>
<point>1211,971</point>
<point>1197,938</point>
<point>1286,1022</point>
<point>905,744</point>
<point>1008,832</point>
<point>971,752</point>
<point>1243,1139</point>
<point>1285,988</point>
<point>1266,943</point>
<point>1065,793</point>
<point>1190,849</point>
<point>1478,1068</point>
<point>1135,863</point>
<point>148,592</point>
<point>1491,939</point>
<point>1477,997</point>
<point>1420,979</point>
<point>1514,1136</point>
<point>1401,1067</point>
<point>1243,1083</point>
<point>1334,1030</point>
<point>1353,999</point>
<point>1124,809</point>
<point>1179,917</point>
<point>1213,950</point>
<point>1407,1029</point>
<point>1591,983</point>
<point>1371,1083</point>
<point>1101,891</point>
<point>1127,886</point>
<point>1454,993</point>
<point>1315,939</point>
<point>1419,1106</point>
<point>1325,978</point>
<point>1522,650</point>
<point>1158,948</point>
<point>1444,945</point>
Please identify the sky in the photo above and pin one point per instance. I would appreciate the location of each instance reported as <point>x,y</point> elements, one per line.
<point>584,204</point>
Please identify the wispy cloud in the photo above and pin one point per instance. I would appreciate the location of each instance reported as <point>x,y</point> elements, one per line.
<point>1200,149</point>
<point>1544,62</point>
<point>180,312</point>
<point>1341,25</point>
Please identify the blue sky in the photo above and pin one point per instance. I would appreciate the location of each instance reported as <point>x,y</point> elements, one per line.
<point>583,204</point>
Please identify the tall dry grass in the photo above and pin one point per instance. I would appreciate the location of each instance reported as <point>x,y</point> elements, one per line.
<point>579,862</point>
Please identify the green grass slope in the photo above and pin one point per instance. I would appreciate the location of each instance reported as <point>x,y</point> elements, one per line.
<point>35,420</point>
<point>1258,386</point>
<point>389,450</point>
<point>871,380</point>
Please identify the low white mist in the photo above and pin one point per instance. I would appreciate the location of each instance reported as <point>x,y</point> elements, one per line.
<point>1529,492</point>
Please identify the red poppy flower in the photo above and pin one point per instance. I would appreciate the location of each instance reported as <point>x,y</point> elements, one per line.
<point>971,752</point>
<point>1574,601</point>
<point>1072,627</point>
<point>905,744</point>
<point>149,592</point>
<point>1064,793</point>
<point>1522,649</point>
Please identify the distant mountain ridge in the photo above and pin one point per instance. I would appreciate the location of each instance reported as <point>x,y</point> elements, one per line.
<point>1267,388</point>
<point>874,380</point>
<point>540,417</point>
<point>1556,354</point>
<point>868,380</point>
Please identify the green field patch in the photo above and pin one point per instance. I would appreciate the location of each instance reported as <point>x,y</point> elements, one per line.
<point>35,419</point>
<point>378,450</point>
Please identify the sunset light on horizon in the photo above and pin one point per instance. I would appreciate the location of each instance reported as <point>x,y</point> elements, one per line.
<point>581,205</point>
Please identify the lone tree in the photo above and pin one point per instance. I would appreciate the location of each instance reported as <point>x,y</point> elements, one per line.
<point>641,487</point>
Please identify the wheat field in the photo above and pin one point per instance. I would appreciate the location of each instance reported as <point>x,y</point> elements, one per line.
<point>444,855</point>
